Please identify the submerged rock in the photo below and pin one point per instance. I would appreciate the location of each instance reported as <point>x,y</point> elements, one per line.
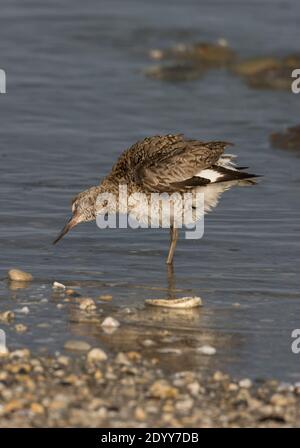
<point>20,328</point>
<point>289,139</point>
<point>292,61</point>
<point>273,78</point>
<point>75,345</point>
<point>175,72</point>
<point>19,276</point>
<point>87,304</point>
<point>268,72</point>
<point>212,54</point>
<point>253,66</point>
<point>106,297</point>
<point>215,54</point>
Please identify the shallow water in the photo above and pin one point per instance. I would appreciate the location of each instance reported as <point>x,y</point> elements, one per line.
<point>76,97</point>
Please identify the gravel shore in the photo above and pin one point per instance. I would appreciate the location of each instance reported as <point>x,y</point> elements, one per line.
<point>129,390</point>
<point>99,364</point>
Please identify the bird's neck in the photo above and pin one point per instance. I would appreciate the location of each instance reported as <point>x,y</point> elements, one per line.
<point>111,184</point>
<point>108,186</point>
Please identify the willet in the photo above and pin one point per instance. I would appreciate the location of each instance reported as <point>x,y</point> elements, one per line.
<point>163,164</point>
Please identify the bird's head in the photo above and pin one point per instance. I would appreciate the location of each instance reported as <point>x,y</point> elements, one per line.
<point>83,210</point>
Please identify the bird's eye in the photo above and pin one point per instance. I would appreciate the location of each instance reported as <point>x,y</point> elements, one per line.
<point>105,203</point>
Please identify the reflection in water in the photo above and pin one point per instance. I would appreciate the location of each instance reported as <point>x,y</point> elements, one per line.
<point>14,285</point>
<point>170,336</point>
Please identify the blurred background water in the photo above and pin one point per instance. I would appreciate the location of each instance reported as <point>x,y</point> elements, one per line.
<point>76,97</point>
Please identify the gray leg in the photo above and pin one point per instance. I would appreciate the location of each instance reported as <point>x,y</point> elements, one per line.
<point>173,241</point>
<point>171,281</point>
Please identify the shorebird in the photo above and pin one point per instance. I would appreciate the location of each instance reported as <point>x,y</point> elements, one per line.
<point>162,164</point>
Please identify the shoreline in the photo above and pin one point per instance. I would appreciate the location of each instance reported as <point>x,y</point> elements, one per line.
<point>131,390</point>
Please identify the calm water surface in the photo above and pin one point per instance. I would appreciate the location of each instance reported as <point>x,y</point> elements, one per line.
<point>76,97</point>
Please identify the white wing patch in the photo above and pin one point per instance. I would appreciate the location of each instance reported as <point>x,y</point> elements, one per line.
<point>210,174</point>
<point>224,161</point>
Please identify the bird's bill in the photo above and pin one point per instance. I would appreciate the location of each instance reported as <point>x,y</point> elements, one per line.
<point>72,222</point>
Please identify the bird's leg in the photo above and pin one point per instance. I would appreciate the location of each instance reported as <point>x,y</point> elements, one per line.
<point>171,282</point>
<point>173,241</point>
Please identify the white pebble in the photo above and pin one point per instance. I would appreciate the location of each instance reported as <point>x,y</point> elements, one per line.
<point>207,350</point>
<point>24,310</point>
<point>95,355</point>
<point>245,383</point>
<point>110,322</point>
<point>223,42</point>
<point>148,343</point>
<point>175,351</point>
<point>57,285</point>
<point>87,304</point>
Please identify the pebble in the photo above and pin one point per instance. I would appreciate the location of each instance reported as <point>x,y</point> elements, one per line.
<point>57,285</point>
<point>122,359</point>
<point>63,360</point>
<point>163,389</point>
<point>148,343</point>
<point>279,400</point>
<point>219,376</point>
<point>232,387</point>
<point>72,293</point>
<point>11,406</point>
<point>20,353</point>
<point>20,328</point>
<point>87,304</point>
<point>245,383</point>
<point>207,350</point>
<point>37,408</point>
<point>194,388</point>
<point>23,310</point>
<point>110,322</point>
<point>19,276</point>
<point>96,355</point>
<point>140,414</point>
<point>77,345</point>
<point>7,316</point>
<point>106,297</point>
<point>184,405</point>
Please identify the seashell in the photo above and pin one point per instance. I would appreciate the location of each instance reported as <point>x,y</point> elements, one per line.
<point>180,303</point>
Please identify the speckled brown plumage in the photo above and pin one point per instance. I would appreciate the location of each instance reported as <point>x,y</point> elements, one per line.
<point>162,164</point>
